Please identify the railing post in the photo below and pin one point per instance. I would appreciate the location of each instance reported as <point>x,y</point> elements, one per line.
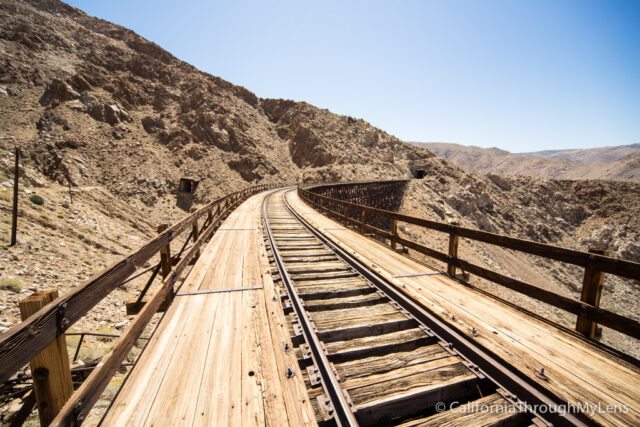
<point>165,263</point>
<point>14,212</point>
<point>362,214</point>
<point>394,231</point>
<point>50,369</point>
<point>210,216</point>
<point>453,250</point>
<point>196,234</point>
<point>345,215</point>
<point>591,292</point>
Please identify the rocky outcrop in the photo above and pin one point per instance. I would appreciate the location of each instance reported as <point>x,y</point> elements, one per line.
<point>153,124</point>
<point>305,147</point>
<point>111,113</point>
<point>276,108</point>
<point>58,91</point>
<point>251,168</point>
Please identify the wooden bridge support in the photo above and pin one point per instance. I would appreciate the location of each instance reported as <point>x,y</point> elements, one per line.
<point>50,369</point>
<point>591,292</point>
<point>196,233</point>
<point>165,263</point>
<point>394,231</point>
<point>453,250</point>
<point>382,195</point>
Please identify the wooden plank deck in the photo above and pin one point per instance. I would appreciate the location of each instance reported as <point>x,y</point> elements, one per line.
<point>219,358</point>
<point>577,371</point>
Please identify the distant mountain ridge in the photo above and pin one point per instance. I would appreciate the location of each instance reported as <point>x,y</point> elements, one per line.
<point>588,156</point>
<point>616,163</point>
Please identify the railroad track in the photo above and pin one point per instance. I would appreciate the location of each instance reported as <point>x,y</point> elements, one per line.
<point>370,356</point>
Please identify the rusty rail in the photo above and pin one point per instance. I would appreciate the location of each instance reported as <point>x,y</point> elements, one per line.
<point>361,217</point>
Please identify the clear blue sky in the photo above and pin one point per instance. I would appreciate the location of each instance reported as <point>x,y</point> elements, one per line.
<point>522,75</point>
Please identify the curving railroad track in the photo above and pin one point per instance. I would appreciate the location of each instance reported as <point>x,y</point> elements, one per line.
<point>371,356</point>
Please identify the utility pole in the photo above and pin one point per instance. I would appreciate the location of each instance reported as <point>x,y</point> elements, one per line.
<point>14,222</point>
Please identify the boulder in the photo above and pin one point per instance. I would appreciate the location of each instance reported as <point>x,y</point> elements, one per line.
<point>109,113</point>
<point>370,137</point>
<point>306,147</point>
<point>80,83</point>
<point>153,125</point>
<point>112,114</point>
<point>89,100</point>
<point>58,91</point>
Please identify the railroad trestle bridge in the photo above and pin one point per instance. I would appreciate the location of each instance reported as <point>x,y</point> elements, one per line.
<point>306,305</point>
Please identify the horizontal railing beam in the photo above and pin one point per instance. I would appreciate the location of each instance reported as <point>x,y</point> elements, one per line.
<point>28,338</point>
<point>597,262</point>
<point>618,267</point>
<point>81,402</point>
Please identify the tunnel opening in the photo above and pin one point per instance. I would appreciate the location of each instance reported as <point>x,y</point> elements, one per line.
<point>186,192</point>
<point>419,173</point>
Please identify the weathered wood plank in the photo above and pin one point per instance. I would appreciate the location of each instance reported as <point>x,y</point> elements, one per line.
<point>85,397</point>
<point>375,365</point>
<point>295,398</point>
<point>523,341</point>
<point>489,411</point>
<point>26,339</point>
<point>374,341</point>
<point>606,264</point>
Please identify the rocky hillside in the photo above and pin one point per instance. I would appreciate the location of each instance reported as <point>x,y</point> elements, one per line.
<point>92,103</point>
<point>620,163</point>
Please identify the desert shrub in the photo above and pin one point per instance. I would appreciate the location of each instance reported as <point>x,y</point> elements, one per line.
<point>13,285</point>
<point>38,200</point>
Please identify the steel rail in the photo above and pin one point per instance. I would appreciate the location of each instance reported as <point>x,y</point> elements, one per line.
<point>555,410</point>
<point>343,414</point>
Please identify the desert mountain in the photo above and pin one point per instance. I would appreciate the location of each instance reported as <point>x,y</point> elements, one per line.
<point>618,163</point>
<point>91,102</point>
<point>589,156</point>
<point>96,106</point>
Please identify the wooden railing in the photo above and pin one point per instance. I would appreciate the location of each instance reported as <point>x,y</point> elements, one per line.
<point>595,264</point>
<point>24,341</point>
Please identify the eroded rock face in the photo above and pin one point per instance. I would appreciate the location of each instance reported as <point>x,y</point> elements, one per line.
<point>251,168</point>
<point>153,125</point>
<point>111,113</point>
<point>370,137</point>
<point>209,128</point>
<point>80,83</point>
<point>276,108</point>
<point>386,155</point>
<point>57,92</point>
<point>307,149</point>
